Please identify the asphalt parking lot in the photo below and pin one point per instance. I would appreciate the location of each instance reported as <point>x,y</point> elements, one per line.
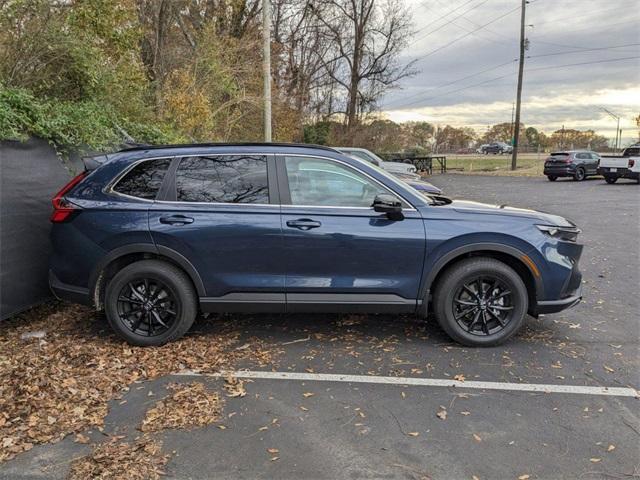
<point>341,428</point>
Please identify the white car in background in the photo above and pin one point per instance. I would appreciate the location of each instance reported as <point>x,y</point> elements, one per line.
<point>366,155</point>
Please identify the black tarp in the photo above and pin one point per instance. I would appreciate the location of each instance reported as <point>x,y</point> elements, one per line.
<point>30,175</point>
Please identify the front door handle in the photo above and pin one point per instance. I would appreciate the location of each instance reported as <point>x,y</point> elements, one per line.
<point>303,224</point>
<point>176,220</point>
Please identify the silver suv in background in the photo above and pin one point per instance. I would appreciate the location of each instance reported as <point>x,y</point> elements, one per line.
<point>366,155</point>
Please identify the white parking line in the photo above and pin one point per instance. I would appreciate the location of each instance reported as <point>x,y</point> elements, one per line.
<point>424,382</point>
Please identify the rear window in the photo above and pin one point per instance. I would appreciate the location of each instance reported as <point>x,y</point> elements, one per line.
<point>144,180</point>
<point>559,154</point>
<point>223,179</point>
<point>631,152</point>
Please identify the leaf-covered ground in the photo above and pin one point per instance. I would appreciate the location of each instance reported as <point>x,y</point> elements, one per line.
<point>60,366</point>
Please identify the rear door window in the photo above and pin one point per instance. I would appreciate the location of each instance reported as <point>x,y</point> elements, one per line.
<point>223,179</point>
<point>144,180</point>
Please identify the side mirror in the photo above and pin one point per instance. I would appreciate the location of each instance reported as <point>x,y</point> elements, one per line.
<point>385,203</point>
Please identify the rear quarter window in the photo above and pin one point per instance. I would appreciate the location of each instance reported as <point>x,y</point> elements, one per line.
<point>144,180</point>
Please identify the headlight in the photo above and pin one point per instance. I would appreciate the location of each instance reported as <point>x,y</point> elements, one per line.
<point>568,234</point>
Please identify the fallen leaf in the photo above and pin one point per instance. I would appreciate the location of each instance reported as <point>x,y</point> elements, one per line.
<point>80,438</point>
<point>477,437</point>
<point>595,460</point>
<point>611,448</point>
<point>523,477</point>
<point>459,377</point>
<point>273,450</point>
<point>304,409</point>
<point>442,414</point>
<point>413,434</point>
<point>273,459</point>
<point>608,369</point>
<point>465,413</point>
<point>308,394</point>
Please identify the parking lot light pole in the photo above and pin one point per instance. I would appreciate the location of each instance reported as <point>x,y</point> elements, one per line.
<point>266,67</point>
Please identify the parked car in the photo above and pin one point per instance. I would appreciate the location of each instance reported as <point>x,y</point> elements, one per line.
<point>577,164</point>
<point>627,165</point>
<point>481,148</point>
<point>368,156</point>
<point>153,235</point>
<point>497,148</point>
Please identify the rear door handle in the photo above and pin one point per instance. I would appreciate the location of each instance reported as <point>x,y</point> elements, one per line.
<point>303,224</point>
<point>176,220</point>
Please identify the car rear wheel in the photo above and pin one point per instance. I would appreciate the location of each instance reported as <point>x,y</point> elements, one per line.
<point>610,179</point>
<point>552,178</point>
<point>580,174</point>
<point>480,302</point>
<point>150,302</point>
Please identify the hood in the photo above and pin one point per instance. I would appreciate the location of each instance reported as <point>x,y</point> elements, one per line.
<point>423,186</point>
<point>543,218</point>
<point>398,167</point>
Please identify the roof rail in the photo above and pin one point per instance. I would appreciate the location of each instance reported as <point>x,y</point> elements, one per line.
<point>224,144</point>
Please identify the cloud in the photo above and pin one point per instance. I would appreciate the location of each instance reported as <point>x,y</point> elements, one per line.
<point>556,91</point>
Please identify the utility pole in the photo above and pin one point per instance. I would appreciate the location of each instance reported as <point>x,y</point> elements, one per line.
<point>266,67</point>
<point>516,127</point>
<point>618,133</point>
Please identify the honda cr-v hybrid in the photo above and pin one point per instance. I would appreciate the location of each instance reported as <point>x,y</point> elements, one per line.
<point>153,235</point>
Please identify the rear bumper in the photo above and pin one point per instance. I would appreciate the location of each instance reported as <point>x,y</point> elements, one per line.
<point>559,171</point>
<point>69,293</point>
<point>620,172</point>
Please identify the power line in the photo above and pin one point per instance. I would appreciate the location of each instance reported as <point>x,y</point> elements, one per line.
<point>466,35</point>
<point>494,67</point>
<point>584,50</point>
<point>484,82</point>
<point>476,24</point>
<point>443,16</point>
<point>448,22</point>
<point>573,17</point>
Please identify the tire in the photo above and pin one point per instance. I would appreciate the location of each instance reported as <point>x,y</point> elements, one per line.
<point>552,178</point>
<point>450,291</point>
<point>136,316</point>
<point>610,179</point>
<point>580,174</point>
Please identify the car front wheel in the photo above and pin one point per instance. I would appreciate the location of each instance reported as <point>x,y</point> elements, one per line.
<point>150,302</point>
<point>480,302</point>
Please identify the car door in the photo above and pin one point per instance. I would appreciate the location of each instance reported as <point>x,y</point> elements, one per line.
<point>221,214</point>
<point>341,254</point>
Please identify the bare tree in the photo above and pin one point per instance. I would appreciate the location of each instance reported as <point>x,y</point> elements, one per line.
<point>368,37</point>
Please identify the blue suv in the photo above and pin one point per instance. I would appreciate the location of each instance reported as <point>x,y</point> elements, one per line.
<point>153,235</point>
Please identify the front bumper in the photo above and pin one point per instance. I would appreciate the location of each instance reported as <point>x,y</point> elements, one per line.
<point>554,306</point>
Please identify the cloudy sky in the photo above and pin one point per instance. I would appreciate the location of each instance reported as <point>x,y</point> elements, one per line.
<point>468,73</point>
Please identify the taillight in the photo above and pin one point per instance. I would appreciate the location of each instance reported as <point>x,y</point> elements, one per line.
<point>62,209</point>
<point>632,162</point>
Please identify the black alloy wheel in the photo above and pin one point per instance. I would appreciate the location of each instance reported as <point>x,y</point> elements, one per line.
<point>480,301</point>
<point>552,178</point>
<point>580,175</point>
<point>147,307</point>
<point>150,302</point>
<point>483,305</point>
